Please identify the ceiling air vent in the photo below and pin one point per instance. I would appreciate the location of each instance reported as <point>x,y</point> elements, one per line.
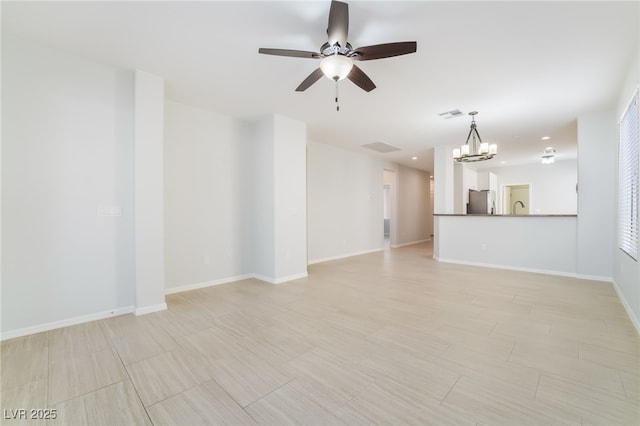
<point>450,114</point>
<point>381,147</point>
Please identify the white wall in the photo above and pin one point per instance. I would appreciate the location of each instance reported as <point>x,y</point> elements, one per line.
<point>344,202</point>
<point>244,197</point>
<point>235,198</point>
<point>487,181</point>
<point>413,206</point>
<point>67,148</point>
<point>626,271</point>
<point>290,198</point>
<point>596,195</point>
<point>148,167</point>
<point>541,244</point>
<point>279,213</point>
<point>205,199</point>
<point>552,186</point>
<point>443,180</point>
<point>469,181</point>
<point>458,188</point>
<point>431,207</point>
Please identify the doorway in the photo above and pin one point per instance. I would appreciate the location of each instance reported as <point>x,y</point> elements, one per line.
<point>388,208</point>
<point>516,199</point>
<point>387,215</point>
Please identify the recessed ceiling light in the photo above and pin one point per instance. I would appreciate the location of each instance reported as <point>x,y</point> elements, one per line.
<point>545,138</point>
<point>414,158</point>
<point>503,162</point>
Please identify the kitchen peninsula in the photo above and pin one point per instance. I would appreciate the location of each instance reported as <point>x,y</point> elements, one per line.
<point>544,243</point>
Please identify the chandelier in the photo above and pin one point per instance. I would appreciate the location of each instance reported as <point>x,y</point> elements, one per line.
<point>476,150</point>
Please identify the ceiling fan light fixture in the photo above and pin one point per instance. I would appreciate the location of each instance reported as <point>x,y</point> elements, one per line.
<point>548,155</point>
<point>336,67</point>
<point>338,55</point>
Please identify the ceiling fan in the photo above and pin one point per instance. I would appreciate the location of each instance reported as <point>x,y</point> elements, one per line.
<point>338,55</point>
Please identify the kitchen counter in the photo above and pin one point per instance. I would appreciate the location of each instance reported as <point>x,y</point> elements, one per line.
<point>507,215</point>
<point>539,243</point>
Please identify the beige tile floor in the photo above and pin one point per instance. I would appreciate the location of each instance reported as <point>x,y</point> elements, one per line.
<point>386,338</point>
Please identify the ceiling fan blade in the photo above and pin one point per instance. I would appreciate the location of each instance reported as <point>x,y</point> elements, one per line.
<point>313,77</point>
<point>289,52</point>
<point>386,50</point>
<point>361,79</point>
<point>338,28</point>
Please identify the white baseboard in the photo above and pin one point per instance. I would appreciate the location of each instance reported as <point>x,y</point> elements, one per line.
<point>280,280</point>
<point>66,322</point>
<point>533,270</point>
<point>270,280</point>
<point>511,268</point>
<point>205,284</point>
<point>627,308</point>
<point>149,309</point>
<point>594,278</point>
<point>410,243</point>
<point>343,256</point>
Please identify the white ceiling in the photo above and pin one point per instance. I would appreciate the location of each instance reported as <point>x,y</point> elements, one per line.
<point>529,68</point>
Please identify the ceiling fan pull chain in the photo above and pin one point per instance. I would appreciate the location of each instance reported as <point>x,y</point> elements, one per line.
<point>337,103</point>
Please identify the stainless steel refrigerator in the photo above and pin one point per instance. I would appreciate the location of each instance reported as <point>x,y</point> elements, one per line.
<point>481,202</point>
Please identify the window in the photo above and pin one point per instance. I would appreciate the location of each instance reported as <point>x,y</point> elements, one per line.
<point>628,180</point>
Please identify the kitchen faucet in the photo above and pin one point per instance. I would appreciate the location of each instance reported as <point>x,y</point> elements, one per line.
<point>513,209</point>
